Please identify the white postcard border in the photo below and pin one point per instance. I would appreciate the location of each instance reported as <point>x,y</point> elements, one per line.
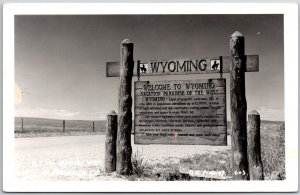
<point>290,11</point>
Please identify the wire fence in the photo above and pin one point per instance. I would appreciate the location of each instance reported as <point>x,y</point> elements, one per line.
<point>40,125</point>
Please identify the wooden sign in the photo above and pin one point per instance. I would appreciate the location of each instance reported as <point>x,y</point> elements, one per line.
<point>207,65</point>
<point>180,112</point>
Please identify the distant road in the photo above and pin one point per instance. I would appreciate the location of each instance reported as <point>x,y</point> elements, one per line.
<point>81,157</point>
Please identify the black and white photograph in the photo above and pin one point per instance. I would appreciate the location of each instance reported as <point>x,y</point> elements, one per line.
<point>98,95</point>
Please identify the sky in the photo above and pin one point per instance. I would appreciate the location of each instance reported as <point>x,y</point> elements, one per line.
<point>60,60</point>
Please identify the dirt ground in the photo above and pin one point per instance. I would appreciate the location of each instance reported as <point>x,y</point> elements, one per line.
<point>69,158</point>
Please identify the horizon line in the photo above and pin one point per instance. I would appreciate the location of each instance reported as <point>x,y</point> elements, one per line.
<point>105,119</point>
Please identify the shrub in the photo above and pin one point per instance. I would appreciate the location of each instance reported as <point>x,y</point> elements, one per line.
<point>139,167</point>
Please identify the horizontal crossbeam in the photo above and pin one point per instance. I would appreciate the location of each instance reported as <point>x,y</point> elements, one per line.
<point>208,65</point>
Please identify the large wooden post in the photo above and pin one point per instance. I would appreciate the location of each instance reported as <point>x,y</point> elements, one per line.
<point>253,147</point>
<point>110,142</point>
<point>238,107</point>
<point>124,150</point>
<point>93,126</point>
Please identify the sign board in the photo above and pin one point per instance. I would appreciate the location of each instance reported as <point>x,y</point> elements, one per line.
<point>206,65</point>
<point>180,112</point>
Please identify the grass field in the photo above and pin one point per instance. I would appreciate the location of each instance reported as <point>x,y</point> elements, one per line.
<point>41,127</point>
<point>150,162</point>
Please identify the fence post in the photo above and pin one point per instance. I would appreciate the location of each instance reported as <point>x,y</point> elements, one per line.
<point>64,125</point>
<point>110,142</point>
<point>238,107</point>
<point>253,147</point>
<point>124,150</point>
<point>93,126</point>
<point>22,124</point>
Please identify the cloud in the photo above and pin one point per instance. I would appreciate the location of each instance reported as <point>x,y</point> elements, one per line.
<point>268,114</point>
<point>60,114</point>
<point>18,94</point>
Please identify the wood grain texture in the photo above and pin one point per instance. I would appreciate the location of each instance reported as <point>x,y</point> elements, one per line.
<point>252,65</point>
<point>124,150</point>
<point>254,150</point>
<point>189,111</point>
<point>110,142</point>
<point>238,106</point>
